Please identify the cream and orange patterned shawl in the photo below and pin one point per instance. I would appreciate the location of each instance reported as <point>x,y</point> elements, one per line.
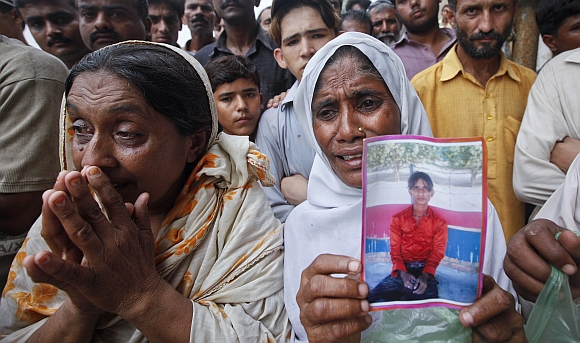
<point>220,246</point>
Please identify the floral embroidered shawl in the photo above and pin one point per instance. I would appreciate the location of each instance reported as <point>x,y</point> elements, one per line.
<point>219,246</point>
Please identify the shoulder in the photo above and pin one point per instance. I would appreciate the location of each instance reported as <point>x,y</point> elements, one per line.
<point>427,77</point>
<point>21,62</point>
<point>526,75</point>
<point>205,54</point>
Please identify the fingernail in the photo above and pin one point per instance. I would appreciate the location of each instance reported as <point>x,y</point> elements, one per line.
<point>363,289</point>
<point>569,269</point>
<point>60,200</point>
<point>94,171</point>
<point>353,266</point>
<point>75,181</point>
<point>44,259</point>
<point>364,306</point>
<point>467,318</point>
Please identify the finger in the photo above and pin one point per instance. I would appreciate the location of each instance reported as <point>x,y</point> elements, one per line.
<point>493,302</point>
<point>78,230</point>
<point>324,310</point>
<point>525,285</point>
<point>540,234</point>
<point>327,264</point>
<point>421,288</point>
<point>524,255</point>
<point>43,268</point>
<point>571,244</point>
<point>505,327</point>
<point>111,199</point>
<point>321,286</point>
<point>338,330</point>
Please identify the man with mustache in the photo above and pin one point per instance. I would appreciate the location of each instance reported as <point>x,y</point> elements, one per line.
<point>475,91</point>
<point>386,23</point>
<point>243,36</point>
<point>424,43</point>
<point>54,24</point>
<point>165,18</point>
<point>200,17</point>
<point>106,22</point>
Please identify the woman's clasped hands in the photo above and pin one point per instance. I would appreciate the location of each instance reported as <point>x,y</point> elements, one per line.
<point>103,264</point>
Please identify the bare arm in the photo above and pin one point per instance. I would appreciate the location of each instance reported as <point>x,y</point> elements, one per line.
<point>294,188</point>
<point>18,211</point>
<point>564,153</point>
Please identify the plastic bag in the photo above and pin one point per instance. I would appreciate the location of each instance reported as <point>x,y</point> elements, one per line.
<point>554,317</point>
<point>433,325</point>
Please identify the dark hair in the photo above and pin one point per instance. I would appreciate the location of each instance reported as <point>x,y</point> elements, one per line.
<point>550,14</point>
<point>228,69</point>
<point>359,16</point>
<point>324,7</point>
<point>141,6</point>
<point>416,176</point>
<point>178,6</point>
<point>362,3</point>
<point>167,81</point>
<point>364,66</point>
<point>5,8</point>
<point>22,3</point>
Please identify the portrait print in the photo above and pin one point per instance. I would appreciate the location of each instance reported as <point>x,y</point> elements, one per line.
<point>424,210</point>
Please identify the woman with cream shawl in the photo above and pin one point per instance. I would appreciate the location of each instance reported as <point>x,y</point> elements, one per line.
<point>181,244</point>
<point>353,88</point>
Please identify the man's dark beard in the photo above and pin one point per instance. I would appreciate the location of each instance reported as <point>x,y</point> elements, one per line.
<point>486,51</point>
<point>113,33</point>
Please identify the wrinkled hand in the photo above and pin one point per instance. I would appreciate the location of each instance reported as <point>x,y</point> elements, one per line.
<point>333,309</point>
<point>409,279</point>
<point>421,284</point>
<point>493,317</point>
<point>294,189</point>
<point>118,269</point>
<point>564,153</point>
<point>276,100</point>
<point>531,251</point>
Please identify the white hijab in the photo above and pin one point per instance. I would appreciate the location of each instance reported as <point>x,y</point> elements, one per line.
<point>330,220</point>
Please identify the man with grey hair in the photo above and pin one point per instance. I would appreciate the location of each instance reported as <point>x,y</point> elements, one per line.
<point>386,23</point>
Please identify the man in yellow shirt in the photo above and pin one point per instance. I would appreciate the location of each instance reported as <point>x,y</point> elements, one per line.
<point>475,91</point>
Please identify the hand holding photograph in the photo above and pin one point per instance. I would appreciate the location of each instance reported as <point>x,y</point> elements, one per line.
<point>424,213</point>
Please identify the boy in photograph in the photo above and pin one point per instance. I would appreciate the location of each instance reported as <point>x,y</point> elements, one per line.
<point>418,238</point>
<point>235,85</point>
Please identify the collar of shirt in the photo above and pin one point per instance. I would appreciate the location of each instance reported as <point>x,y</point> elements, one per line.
<point>574,57</point>
<point>289,99</point>
<point>448,32</point>
<point>262,37</point>
<point>453,67</point>
<point>409,212</point>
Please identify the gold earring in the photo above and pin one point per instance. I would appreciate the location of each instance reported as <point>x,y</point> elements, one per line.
<point>360,129</point>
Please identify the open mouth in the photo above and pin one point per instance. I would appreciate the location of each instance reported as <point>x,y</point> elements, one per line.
<point>350,157</point>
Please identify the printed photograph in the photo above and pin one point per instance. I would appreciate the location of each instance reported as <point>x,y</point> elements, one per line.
<point>423,221</point>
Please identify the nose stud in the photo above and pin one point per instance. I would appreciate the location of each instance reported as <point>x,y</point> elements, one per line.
<point>360,129</point>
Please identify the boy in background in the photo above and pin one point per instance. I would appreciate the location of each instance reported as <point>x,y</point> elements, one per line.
<point>236,90</point>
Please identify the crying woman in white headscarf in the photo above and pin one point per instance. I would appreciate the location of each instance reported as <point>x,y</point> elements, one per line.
<point>355,88</point>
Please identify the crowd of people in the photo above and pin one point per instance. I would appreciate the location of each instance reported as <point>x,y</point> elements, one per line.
<point>212,192</point>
